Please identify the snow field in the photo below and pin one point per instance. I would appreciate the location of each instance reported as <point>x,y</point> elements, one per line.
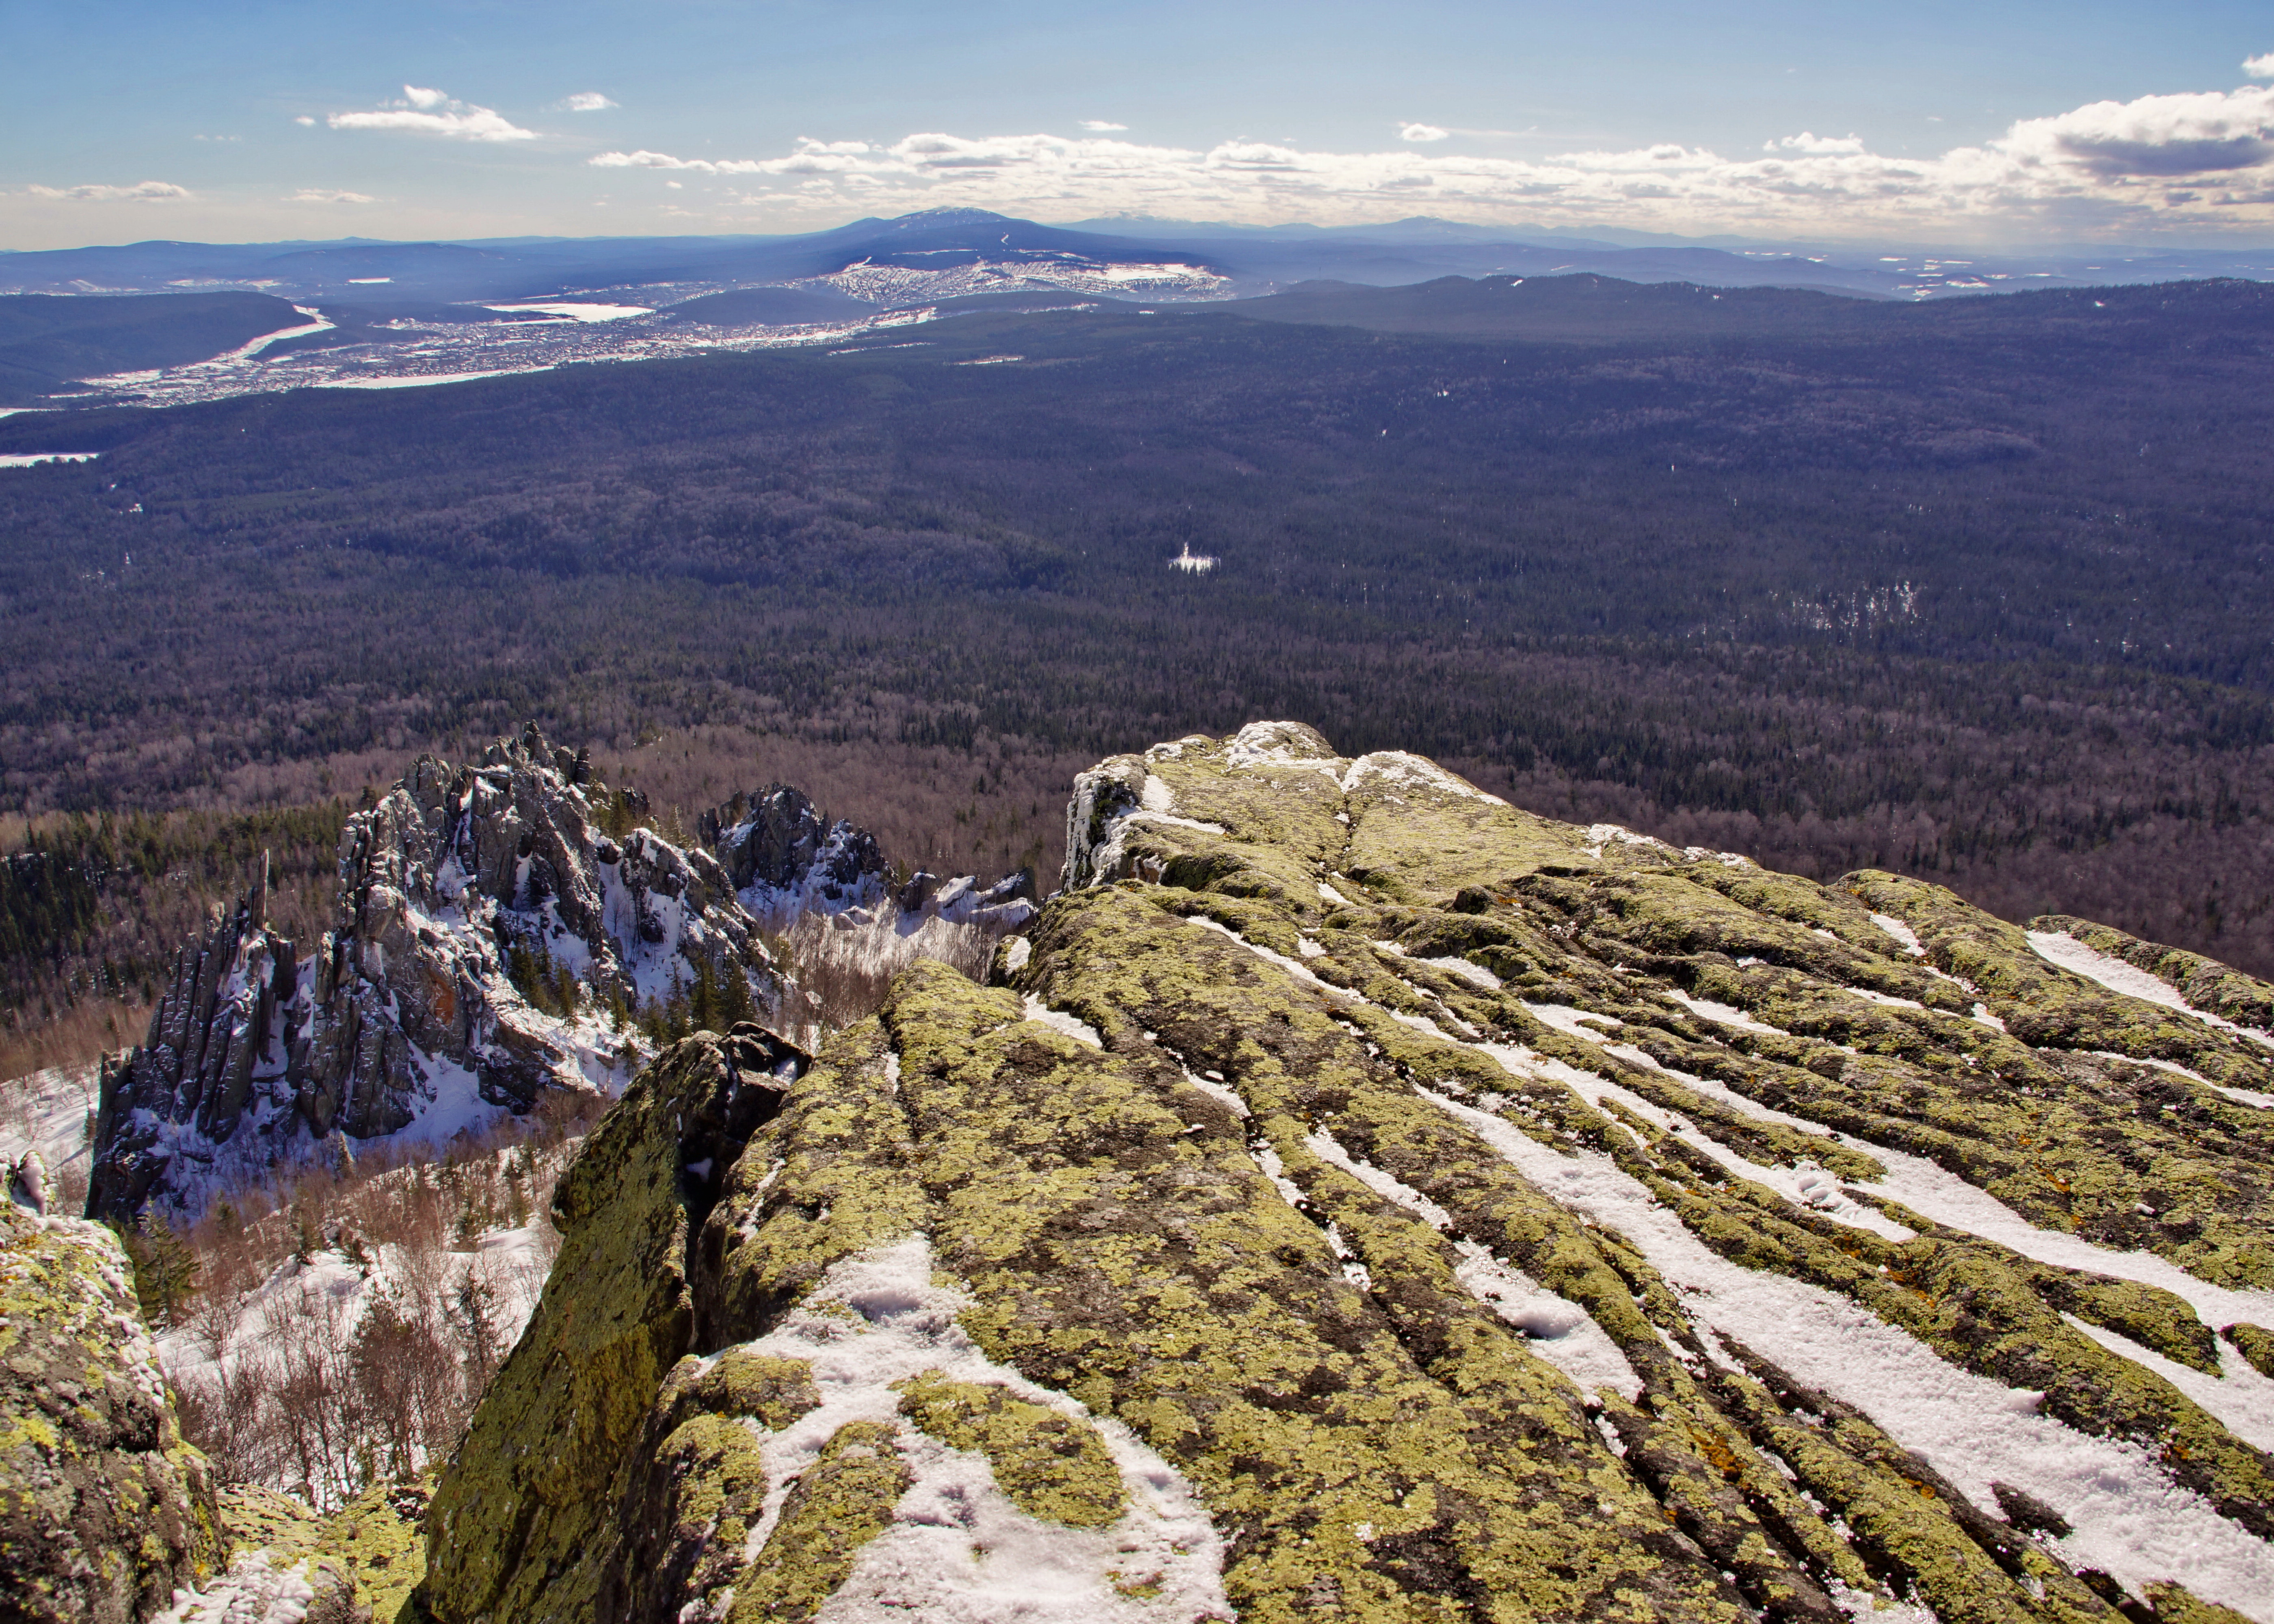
<point>255,1591</point>
<point>957,1550</point>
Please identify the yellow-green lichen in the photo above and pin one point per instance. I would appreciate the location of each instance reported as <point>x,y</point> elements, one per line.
<point>840,1502</point>
<point>1052,1466</point>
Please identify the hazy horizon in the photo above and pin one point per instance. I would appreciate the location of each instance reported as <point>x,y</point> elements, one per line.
<point>2097,125</point>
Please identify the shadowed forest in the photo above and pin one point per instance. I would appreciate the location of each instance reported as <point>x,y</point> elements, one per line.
<point>1975,590</point>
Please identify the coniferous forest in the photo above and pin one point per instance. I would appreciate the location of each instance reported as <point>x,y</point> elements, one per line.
<point>1976,592</point>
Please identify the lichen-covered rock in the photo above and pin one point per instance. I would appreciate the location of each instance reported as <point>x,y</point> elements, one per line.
<point>104,1511</point>
<point>1358,1198</point>
<point>521,1525</point>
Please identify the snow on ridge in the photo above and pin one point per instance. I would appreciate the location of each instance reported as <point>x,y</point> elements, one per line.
<point>958,1549</point>
<point>2130,1519</point>
<point>1059,1021</point>
<point>1554,1327</point>
<point>1275,744</point>
<point>2058,947</point>
<point>1723,1014</point>
<point>1905,936</point>
<point>1416,772</point>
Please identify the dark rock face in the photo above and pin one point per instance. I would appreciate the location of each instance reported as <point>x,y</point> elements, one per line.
<point>104,1511</point>
<point>406,1008</point>
<point>1359,1197</point>
<point>225,1029</point>
<point>776,841</point>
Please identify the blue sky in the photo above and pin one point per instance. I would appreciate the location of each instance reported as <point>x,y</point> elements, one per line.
<point>1936,121</point>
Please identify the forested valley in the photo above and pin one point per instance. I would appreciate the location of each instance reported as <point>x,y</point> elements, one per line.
<point>1976,592</point>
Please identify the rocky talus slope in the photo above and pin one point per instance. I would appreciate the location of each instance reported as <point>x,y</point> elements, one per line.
<point>1358,1199</point>
<point>407,1016</point>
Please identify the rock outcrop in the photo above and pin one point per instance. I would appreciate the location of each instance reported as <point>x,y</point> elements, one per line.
<point>1358,1198</point>
<point>106,1515</point>
<point>104,1511</point>
<point>467,896</point>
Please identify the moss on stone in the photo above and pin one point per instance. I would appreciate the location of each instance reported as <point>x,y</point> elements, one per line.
<point>105,1510</point>
<point>2175,1604</point>
<point>1372,1440</point>
<point>519,1526</point>
<point>840,1502</point>
<point>2254,1344</point>
<point>377,1539</point>
<point>1052,1466</point>
<point>681,1529</point>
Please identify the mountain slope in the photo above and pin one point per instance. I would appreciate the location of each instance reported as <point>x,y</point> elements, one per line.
<point>45,342</point>
<point>1358,1196</point>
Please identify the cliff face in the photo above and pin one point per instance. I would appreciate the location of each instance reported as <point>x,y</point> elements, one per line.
<point>1357,1197</point>
<point>405,1015</point>
<point>104,1511</point>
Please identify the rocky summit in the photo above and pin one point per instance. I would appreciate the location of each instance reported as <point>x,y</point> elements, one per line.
<point>1355,1197</point>
<point>465,894</point>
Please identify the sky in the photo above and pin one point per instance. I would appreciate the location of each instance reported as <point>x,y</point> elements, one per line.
<point>2017,123</point>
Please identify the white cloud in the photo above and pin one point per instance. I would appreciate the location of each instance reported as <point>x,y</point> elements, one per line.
<point>2204,161</point>
<point>145,192</point>
<point>1817,146</point>
<point>303,119</point>
<point>587,101</point>
<point>316,194</point>
<point>2155,137</point>
<point>432,112</point>
<point>1100,126</point>
<point>1421,132</point>
<point>2260,67</point>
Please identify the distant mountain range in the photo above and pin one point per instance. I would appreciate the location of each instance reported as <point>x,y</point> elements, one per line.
<point>120,324</point>
<point>1218,260</point>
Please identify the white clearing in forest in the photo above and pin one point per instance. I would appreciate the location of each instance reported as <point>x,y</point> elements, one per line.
<point>2130,1519</point>
<point>958,1551</point>
<point>1058,1021</point>
<point>2058,947</point>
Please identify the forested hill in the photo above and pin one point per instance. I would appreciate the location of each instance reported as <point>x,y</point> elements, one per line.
<point>1975,590</point>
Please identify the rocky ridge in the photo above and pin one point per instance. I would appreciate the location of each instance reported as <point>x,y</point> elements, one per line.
<point>1358,1198</point>
<point>414,1013</point>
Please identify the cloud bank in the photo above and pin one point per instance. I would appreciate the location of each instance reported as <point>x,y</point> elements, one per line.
<point>432,112</point>
<point>2203,160</point>
<point>143,191</point>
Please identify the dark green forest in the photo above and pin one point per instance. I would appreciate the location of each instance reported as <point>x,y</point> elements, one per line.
<point>1976,591</point>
